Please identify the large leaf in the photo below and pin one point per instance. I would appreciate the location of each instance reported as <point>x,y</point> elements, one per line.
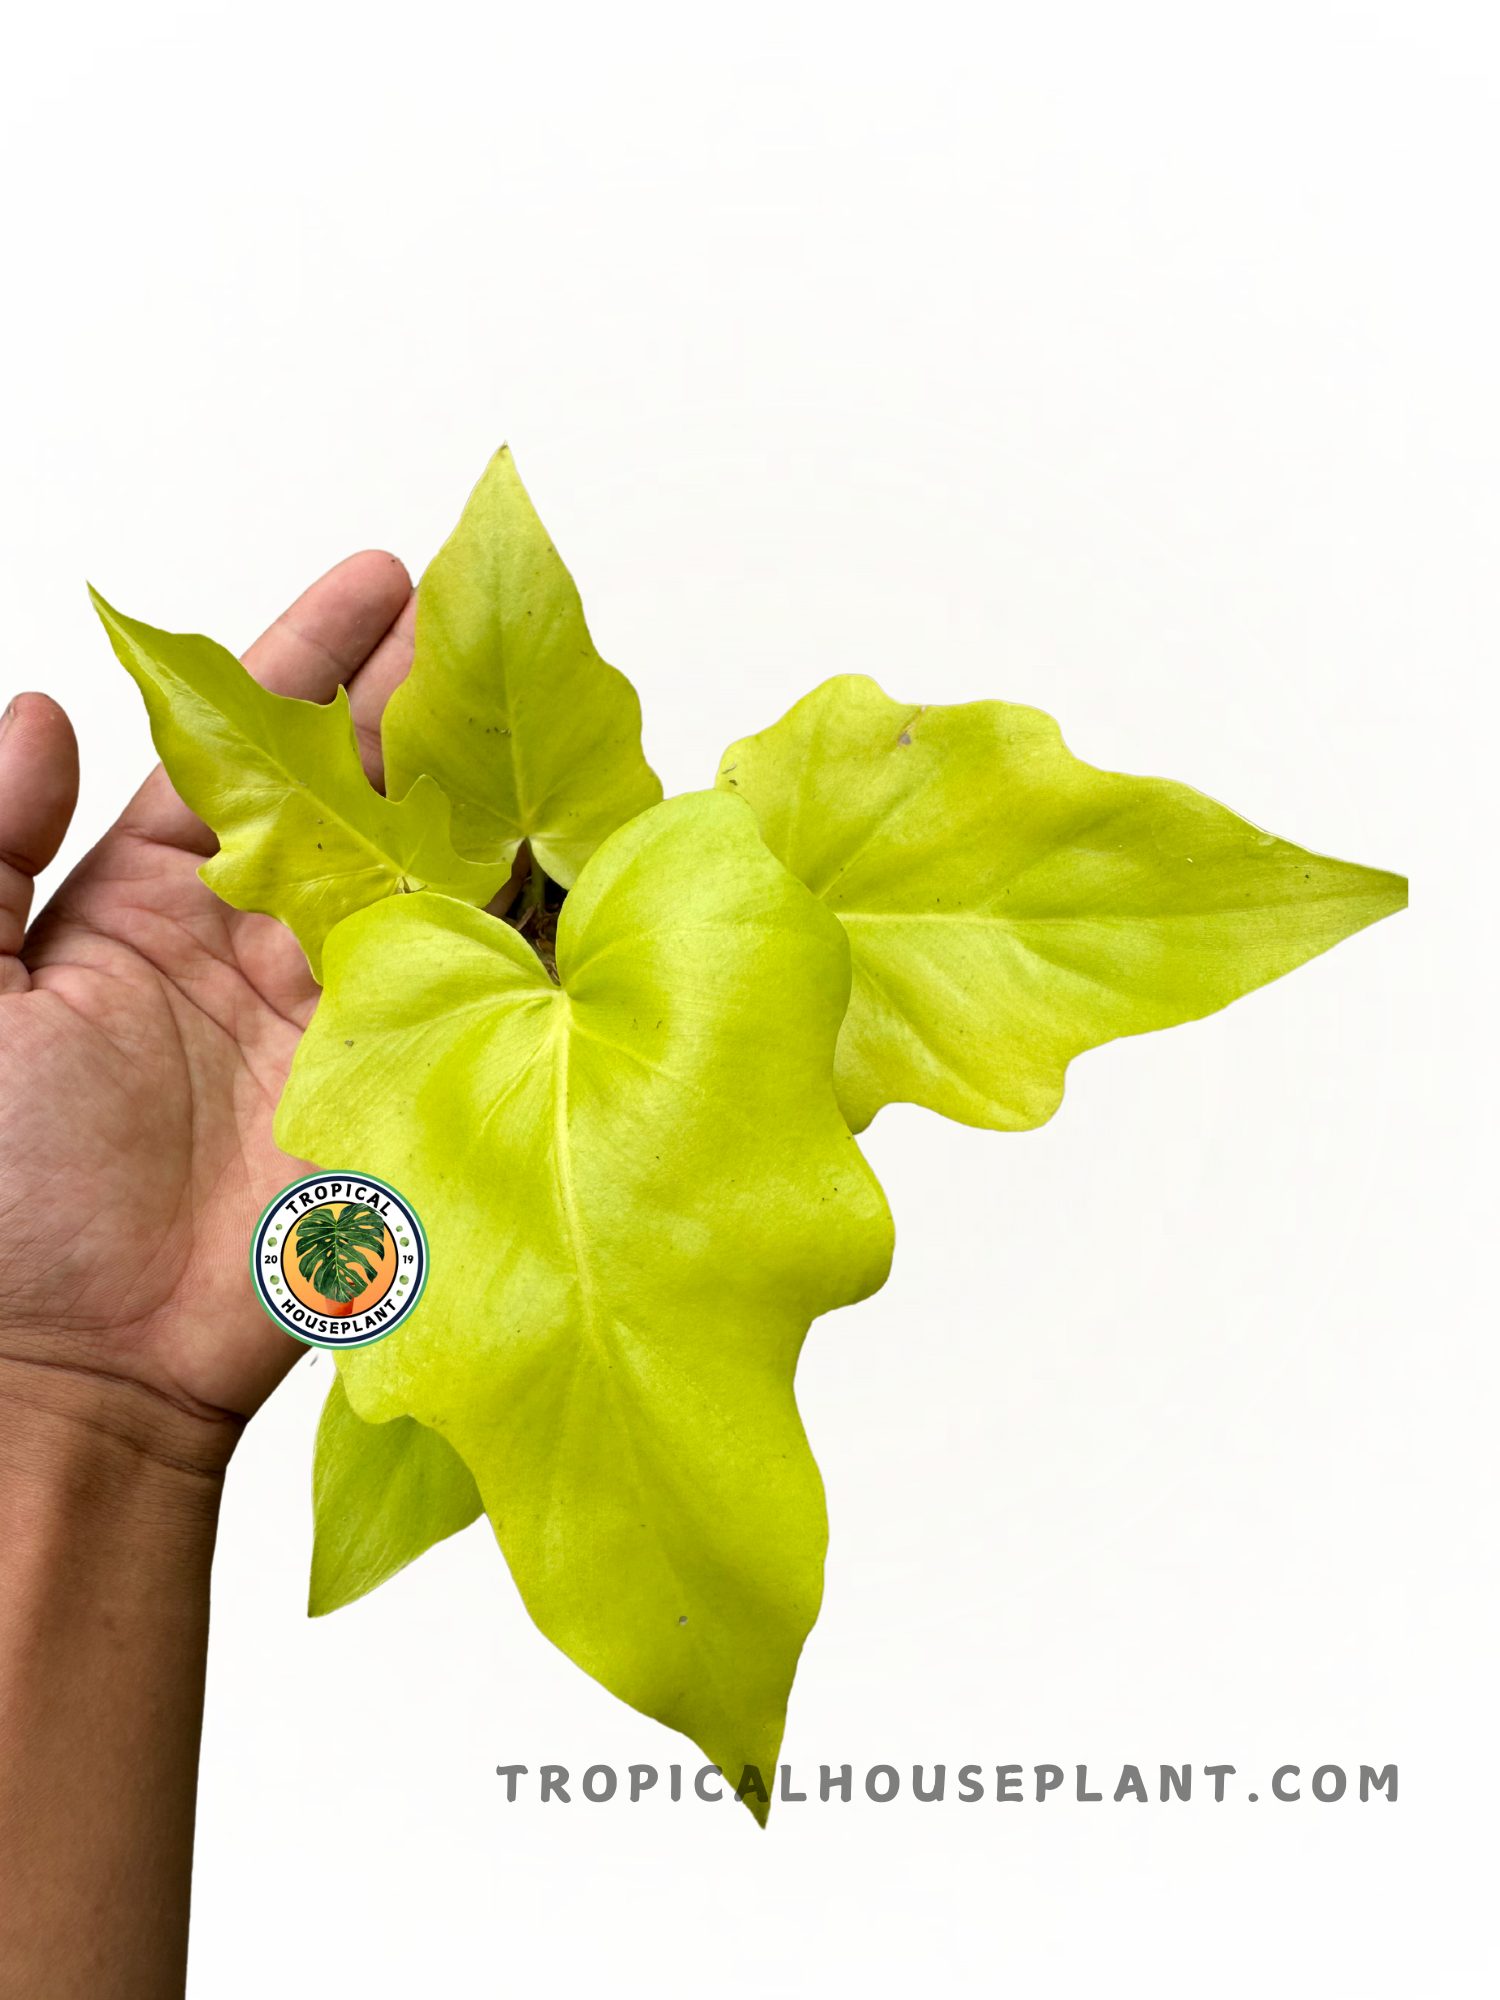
<point>382,1495</point>
<point>303,835</point>
<point>507,703</point>
<point>638,1192</point>
<point>1008,906</point>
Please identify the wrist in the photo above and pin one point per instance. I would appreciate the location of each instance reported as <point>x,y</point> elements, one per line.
<point>59,1420</point>
<point>109,1498</point>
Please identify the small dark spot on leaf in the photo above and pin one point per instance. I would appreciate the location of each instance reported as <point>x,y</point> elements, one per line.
<point>904,737</point>
<point>683,1619</point>
<point>348,1045</point>
<point>727,769</point>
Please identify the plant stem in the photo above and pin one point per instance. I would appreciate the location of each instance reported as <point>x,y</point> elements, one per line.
<point>534,890</point>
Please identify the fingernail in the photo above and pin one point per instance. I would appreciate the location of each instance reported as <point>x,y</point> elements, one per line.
<point>5,719</point>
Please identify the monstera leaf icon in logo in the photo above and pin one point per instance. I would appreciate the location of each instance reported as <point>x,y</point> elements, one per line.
<point>333,1252</point>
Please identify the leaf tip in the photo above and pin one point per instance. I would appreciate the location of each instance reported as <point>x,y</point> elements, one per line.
<point>321,1599</point>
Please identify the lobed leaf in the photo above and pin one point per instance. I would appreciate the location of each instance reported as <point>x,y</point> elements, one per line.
<point>1008,906</point>
<point>507,703</point>
<point>303,835</point>
<point>383,1494</point>
<point>639,1192</point>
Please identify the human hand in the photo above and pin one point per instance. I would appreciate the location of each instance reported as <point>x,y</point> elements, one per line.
<point>146,1031</point>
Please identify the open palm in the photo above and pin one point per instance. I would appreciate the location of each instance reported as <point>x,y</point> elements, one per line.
<point>146,1030</point>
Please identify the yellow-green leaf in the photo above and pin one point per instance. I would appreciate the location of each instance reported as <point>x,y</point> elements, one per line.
<point>507,703</point>
<point>638,1192</point>
<point>1008,906</point>
<point>382,1495</point>
<point>303,835</point>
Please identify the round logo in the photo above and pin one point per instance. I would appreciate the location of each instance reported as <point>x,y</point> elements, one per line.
<point>338,1260</point>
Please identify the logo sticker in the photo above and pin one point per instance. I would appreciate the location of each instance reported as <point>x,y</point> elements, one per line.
<point>338,1260</point>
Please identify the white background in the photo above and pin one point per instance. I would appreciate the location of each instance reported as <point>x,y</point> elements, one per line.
<point>1131,360</point>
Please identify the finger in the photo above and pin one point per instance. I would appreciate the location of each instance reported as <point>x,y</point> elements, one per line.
<point>324,639</point>
<point>375,683</point>
<point>313,648</point>
<point>520,869</point>
<point>38,791</point>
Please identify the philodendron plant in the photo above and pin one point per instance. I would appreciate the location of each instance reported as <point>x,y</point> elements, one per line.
<point>615,1051</point>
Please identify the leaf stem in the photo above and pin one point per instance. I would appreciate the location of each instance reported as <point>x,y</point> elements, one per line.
<point>534,889</point>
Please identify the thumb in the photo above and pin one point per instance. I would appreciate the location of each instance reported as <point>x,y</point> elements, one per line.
<point>38,791</point>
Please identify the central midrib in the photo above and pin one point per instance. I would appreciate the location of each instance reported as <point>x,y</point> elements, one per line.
<point>568,1201</point>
